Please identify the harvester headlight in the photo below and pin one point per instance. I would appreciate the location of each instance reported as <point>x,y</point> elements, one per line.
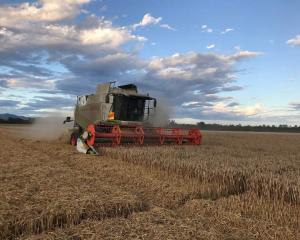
<point>111,116</point>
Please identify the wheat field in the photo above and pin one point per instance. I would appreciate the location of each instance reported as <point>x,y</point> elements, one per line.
<point>234,186</point>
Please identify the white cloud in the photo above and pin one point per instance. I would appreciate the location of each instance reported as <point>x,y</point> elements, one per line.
<point>187,104</point>
<point>148,20</point>
<point>210,46</point>
<point>114,37</point>
<point>167,26</point>
<point>227,30</point>
<point>244,54</point>
<point>41,11</point>
<point>186,120</point>
<point>33,26</point>
<point>206,29</point>
<point>102,36</point>
<point>34,83</point>
<point>238,109</point>
<point>294,41</point>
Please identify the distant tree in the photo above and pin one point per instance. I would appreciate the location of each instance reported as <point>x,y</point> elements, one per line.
<point>238,127</point>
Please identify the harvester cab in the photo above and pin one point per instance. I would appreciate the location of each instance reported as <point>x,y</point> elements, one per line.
<point>122,105</point>
<point>121,115</point>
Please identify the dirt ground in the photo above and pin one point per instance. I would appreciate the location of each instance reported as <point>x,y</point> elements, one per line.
<point>234,186</point>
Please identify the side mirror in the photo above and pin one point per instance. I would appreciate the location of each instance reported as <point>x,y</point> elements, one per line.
<point>68,119</point>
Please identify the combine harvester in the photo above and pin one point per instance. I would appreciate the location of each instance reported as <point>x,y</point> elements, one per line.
<point>120,115</point>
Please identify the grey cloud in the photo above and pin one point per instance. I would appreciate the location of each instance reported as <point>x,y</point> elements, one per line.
<point>233,104</point>
<point>78,85</point>
<point>8,103</point>
<point>232,88</point>
<point>25,71</point>
<point>49,91</point>
<point>86,74</point>
<point>3,83</point>
<point>31,70</point>
<point>109,65</point>
<point>193,76</point>
<point>49,102</point>
<point>295,106</point>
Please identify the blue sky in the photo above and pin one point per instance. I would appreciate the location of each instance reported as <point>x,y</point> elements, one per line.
<point>218,61</point>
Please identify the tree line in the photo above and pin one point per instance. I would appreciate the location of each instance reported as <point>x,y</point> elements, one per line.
<point>239,127</point>
<point>16,121</point>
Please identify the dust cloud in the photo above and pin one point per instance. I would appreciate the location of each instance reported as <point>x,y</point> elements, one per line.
<point>52,127</point>
<point>162,113</point>
<point>48,128</point>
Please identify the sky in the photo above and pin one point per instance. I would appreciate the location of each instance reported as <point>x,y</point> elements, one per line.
<point>214,61</point>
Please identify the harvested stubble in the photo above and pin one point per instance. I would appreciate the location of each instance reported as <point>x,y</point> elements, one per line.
<point>41,192</point>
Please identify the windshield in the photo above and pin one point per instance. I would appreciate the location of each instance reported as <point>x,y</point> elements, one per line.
<point>128,108</point>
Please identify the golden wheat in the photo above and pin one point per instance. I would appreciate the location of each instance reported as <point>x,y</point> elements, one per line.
<point>234,186</point>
